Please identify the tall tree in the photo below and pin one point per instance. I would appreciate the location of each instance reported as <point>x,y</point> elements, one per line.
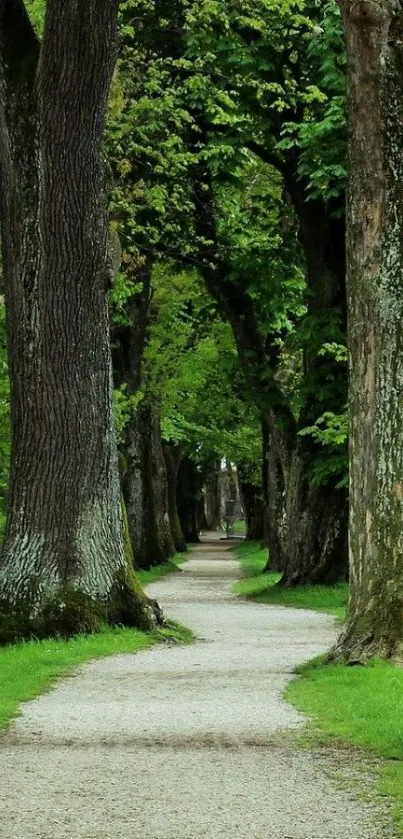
<point>63,565</point>
<point>374,249</point>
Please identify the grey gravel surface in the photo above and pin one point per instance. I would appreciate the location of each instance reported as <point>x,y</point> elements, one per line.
<point>185,742</point>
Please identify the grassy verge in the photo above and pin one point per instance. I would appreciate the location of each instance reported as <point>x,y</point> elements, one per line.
<point>359,706</point>
<point>260,587</point>
<point>158,571</point>
<point>29,669</point>
<point>356,706</point>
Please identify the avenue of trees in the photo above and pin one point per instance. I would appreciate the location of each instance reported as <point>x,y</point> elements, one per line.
<point>188,270</point>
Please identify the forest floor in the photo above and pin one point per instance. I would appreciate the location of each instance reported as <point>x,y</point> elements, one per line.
<point>188,742</point>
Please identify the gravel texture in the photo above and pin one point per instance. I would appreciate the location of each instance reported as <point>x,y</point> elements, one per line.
<point>185,742</point>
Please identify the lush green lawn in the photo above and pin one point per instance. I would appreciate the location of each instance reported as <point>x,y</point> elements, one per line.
<point>28,669</point>
<point>260,587</point>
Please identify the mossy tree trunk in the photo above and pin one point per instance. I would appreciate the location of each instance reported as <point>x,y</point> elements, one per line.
<point>315,536</point>
<point>173,455</point>
<point>63,566</point>
<point>374,38</point>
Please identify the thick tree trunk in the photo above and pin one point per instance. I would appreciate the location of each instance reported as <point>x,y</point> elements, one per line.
<point>188,499</point>
<point>213,495</point>
<point>173,455</point>
<point>374,35</point>
<point>310,521</point>
<point>315,541</point>
<point>323,247</point>
<point>63,566</point>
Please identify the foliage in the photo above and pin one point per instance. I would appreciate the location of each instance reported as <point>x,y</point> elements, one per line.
<point>330,430</point>
<point>124,405</point>
<point>191,371</point>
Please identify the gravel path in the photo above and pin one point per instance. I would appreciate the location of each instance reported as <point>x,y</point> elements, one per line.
<point>184,742</point>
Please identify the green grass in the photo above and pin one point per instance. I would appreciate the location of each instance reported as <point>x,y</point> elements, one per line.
<point>30,668</point>
<point>239,527</point>
<point>261,587</point>
<point>356,706</point>
<point>158,571</point>
<point>359,706</point>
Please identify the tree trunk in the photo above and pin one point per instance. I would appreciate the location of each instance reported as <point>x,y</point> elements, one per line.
<point>258,356</point>
<point>315,543</point>
<point>145,490</point>
<point>188,499</point>
<point>213,495</point>
<point>310,521</point>
<point>273,494</point>
<point>160,488</point>
<point>374,34</point>
<point>173,455</point>
<point>63,566</point>
<point>253,507</point>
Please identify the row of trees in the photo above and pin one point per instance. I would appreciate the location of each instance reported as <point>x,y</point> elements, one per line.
<point>204,264</point>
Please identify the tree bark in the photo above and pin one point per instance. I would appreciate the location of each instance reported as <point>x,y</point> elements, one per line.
<point>374,36</point>
<point>160,488</point>
<point>63,567</point>
<point>173,455</point>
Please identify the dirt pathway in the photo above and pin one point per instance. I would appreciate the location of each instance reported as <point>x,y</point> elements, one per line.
<point>183,743</point>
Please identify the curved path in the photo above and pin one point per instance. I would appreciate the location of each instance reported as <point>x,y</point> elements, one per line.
<point>184,742</point>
